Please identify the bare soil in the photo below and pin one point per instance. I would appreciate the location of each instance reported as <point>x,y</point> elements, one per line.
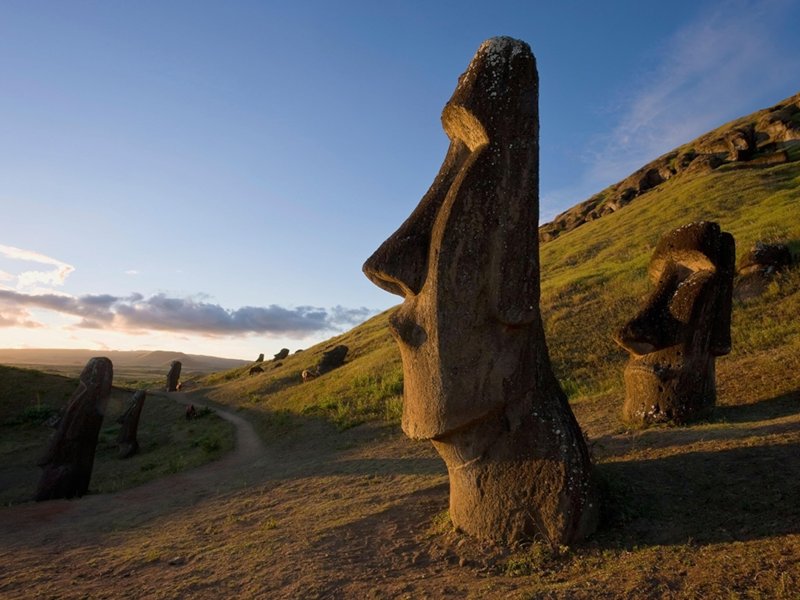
<point>709,511</point>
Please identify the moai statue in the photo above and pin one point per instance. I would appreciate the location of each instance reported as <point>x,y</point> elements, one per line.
<point>128,444</point>
<point>174,376</point>
<point>477,375</point>
<point>683,326</point>
<point>67,463</point>
<point>260,357</point>
<point>281,355</point>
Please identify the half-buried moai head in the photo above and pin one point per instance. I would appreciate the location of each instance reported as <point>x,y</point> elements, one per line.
<point>477,375</point>
<point>684,325</point>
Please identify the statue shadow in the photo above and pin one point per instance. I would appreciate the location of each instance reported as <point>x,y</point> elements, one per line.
<point>732,491</point>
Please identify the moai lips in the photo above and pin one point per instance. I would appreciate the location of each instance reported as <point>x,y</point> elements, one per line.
<point>477,376</point>
<point>684,325</point>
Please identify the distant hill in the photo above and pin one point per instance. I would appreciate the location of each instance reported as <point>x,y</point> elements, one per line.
<point>766,137</point>
<point>156,359</point>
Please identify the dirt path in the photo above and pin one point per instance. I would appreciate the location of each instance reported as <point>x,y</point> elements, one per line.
<point>358,514</point>
<point>110,511</point>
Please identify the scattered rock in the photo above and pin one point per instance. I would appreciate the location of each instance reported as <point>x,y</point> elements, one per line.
<point>127,442</point>
<point>332,359</point>
<point>758,268</point>
<point>173,376</point>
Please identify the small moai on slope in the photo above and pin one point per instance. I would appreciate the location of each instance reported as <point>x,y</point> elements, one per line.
<point>67,463</point>
<point>260,357</point>
<point>281,355</point>
<point>127,441</point>
<point>174,375</point>
<point>477,375</point>
<point>684,325</point>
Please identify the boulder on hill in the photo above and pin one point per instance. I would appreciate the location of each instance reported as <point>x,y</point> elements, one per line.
<point>332,359</point>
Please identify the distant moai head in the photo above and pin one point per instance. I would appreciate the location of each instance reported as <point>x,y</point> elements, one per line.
<point>68,460</point>
<point>174,375</point>
<point>466,261</point>
<point>684,324</point>
<point>477,377</point>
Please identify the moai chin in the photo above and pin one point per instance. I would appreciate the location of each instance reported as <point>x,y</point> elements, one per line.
<point>174,375</point>
<point>477,375</point>
<point>683,326</point>
<point>67,463</point>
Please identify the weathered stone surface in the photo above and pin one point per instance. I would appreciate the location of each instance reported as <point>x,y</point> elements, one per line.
<point>282,354</point>
<point>67,463</point>
<point>127,441</point>
<point>477,376</point>
<point>332,359</point>
<point>684,325</point>
<point>260,357</point>
<point>758,267</point>
<point>174,376</point>
<point>256,370</point>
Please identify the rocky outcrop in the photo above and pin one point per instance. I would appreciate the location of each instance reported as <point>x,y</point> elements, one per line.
<point>477,377</point>
<point>67,463</point>
<point>759,139</point>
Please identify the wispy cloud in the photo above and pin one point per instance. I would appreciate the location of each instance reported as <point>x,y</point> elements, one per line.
<point>135,313</point>
<point>56,275</point>
<point>131,272</point>
<point>710,71</point>
<point>716,68</point>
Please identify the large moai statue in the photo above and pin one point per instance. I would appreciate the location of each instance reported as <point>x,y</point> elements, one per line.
<point>477,375</point>
<point>67,463</point>
<point>127,441</point>
<point>174,375</point>
<point>684,325</point>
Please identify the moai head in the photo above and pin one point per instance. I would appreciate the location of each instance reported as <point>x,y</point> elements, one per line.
<point>477,376</point>
<point>466,260</point>
<point>685,323</point>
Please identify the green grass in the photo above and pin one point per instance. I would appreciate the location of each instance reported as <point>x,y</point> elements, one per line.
<point>168,442</point>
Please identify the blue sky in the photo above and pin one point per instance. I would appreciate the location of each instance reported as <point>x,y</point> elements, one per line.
<point>210,176</point>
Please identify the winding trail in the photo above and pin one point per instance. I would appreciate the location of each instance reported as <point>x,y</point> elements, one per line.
<point>58,518</point>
